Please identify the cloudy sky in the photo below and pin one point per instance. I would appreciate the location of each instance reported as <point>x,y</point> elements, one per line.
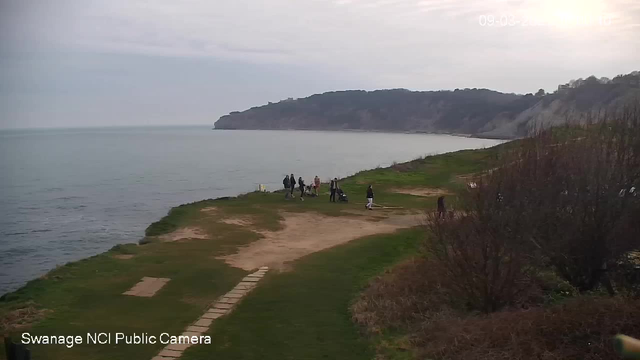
<point>66,63</point>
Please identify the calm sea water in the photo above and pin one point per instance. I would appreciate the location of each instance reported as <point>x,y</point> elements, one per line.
<point>69,194</point>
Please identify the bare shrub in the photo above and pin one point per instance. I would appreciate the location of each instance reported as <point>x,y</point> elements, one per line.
<point>580,328</point>
<point>583,195</point>
<point>481,255</point>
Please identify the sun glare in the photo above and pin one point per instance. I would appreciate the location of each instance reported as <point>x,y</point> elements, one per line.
<point>570,13</point>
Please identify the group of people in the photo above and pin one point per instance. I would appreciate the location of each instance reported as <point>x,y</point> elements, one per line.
<point>290,184</point>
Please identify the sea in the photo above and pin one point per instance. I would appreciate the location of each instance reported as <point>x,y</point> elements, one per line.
<point>66,194</point>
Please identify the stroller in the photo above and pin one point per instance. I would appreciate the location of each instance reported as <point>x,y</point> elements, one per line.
<point>342,197</point>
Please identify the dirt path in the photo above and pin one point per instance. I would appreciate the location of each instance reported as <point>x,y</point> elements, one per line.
<point>425,192</point>
<point>305,233</point>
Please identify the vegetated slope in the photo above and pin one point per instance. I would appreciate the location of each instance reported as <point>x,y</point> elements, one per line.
<point>479,112</point>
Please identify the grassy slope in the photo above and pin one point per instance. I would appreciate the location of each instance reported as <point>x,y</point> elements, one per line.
<point>86,296</point>
<point>304,314</point>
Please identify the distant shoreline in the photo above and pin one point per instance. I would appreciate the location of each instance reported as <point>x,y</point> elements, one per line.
<point>474,136</point>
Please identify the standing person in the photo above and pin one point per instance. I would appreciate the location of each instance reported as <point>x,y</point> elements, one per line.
<point>369,198</point>
<point>333,187</point>
<point>316,185</point>
<point>287,184</point>
<point>292,179</point>
<point>441,208</point>
<point>301,184</point>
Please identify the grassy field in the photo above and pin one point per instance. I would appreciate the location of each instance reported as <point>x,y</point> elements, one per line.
<point>301,314</point>
<point>304,314</point>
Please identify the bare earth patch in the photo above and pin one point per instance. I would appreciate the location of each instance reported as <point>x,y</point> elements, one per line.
<point>427,192</point>
<point>210,209</point>
<point>306,233</point>
<point>147,287</point>
<point>184,234</point>
<point>238,221</point>
<point>123,256</point>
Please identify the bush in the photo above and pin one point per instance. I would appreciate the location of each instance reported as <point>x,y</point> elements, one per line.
<point>482,259</point>
<point>567,197</point>
<point>580,328</point>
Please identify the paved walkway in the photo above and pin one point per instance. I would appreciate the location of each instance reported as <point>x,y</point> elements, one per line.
<point>221,307</point>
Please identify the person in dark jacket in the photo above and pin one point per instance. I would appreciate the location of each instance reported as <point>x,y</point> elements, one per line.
<point>301,185</point>
<point>369,198</point>
<point>293,184</point>
<point>441,208</point>
<point>287,185</point>
<point>333,187</point>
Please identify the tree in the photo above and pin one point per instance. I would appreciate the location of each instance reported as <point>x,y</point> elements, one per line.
<point>540,93</point>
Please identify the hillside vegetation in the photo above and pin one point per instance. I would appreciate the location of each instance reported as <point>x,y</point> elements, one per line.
<point>478,112</point>
<point>540,260</point>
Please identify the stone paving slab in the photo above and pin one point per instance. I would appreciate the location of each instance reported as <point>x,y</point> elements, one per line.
<point>204,322</point>
<point>162,358</point>
<point>244,286</point>
<point>177,347</point>
<point>212,316</point>
<point>264,268</point>
<point>233,295</point>
<point>227,300</point>
<point>170,353</point>
<point>190,333</point>
<point>250,279</point>
<point>218,311</point>
<point>197,329</point>
<point>219,305</point>
<point>147,287</point>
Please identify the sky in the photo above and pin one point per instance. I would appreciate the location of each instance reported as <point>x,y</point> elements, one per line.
<point>76,63</point>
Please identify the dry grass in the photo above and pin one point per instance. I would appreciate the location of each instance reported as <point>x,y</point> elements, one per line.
<point>22,318</point>
<point>580,328</point>
<point>409,294</point>
<point>411,300</point>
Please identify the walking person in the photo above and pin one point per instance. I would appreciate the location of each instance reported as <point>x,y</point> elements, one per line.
<point>369,198</point>
<point>441,208</point>
<point>292,179</point>
<point>301,184</point>
<point>287,184</point>
<point>333,187</point>
<point>316,185</point>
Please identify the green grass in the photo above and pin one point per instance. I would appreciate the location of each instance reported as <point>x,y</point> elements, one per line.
<point>301,314</point>
<point>304,314</point>
<point>85,296</point>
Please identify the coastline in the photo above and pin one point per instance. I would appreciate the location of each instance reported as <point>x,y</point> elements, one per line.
<point>239,194</point>
<point>204,249</point>
<point>424,132</point>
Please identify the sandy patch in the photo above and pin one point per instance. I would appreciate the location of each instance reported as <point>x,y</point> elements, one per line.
<point>123,256</point>
<point>184,234</point>
<point>238,221</point>
<point>305,233</point>
<point>427,192</point>
<point>210,209</point>
<point>147,287</point>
